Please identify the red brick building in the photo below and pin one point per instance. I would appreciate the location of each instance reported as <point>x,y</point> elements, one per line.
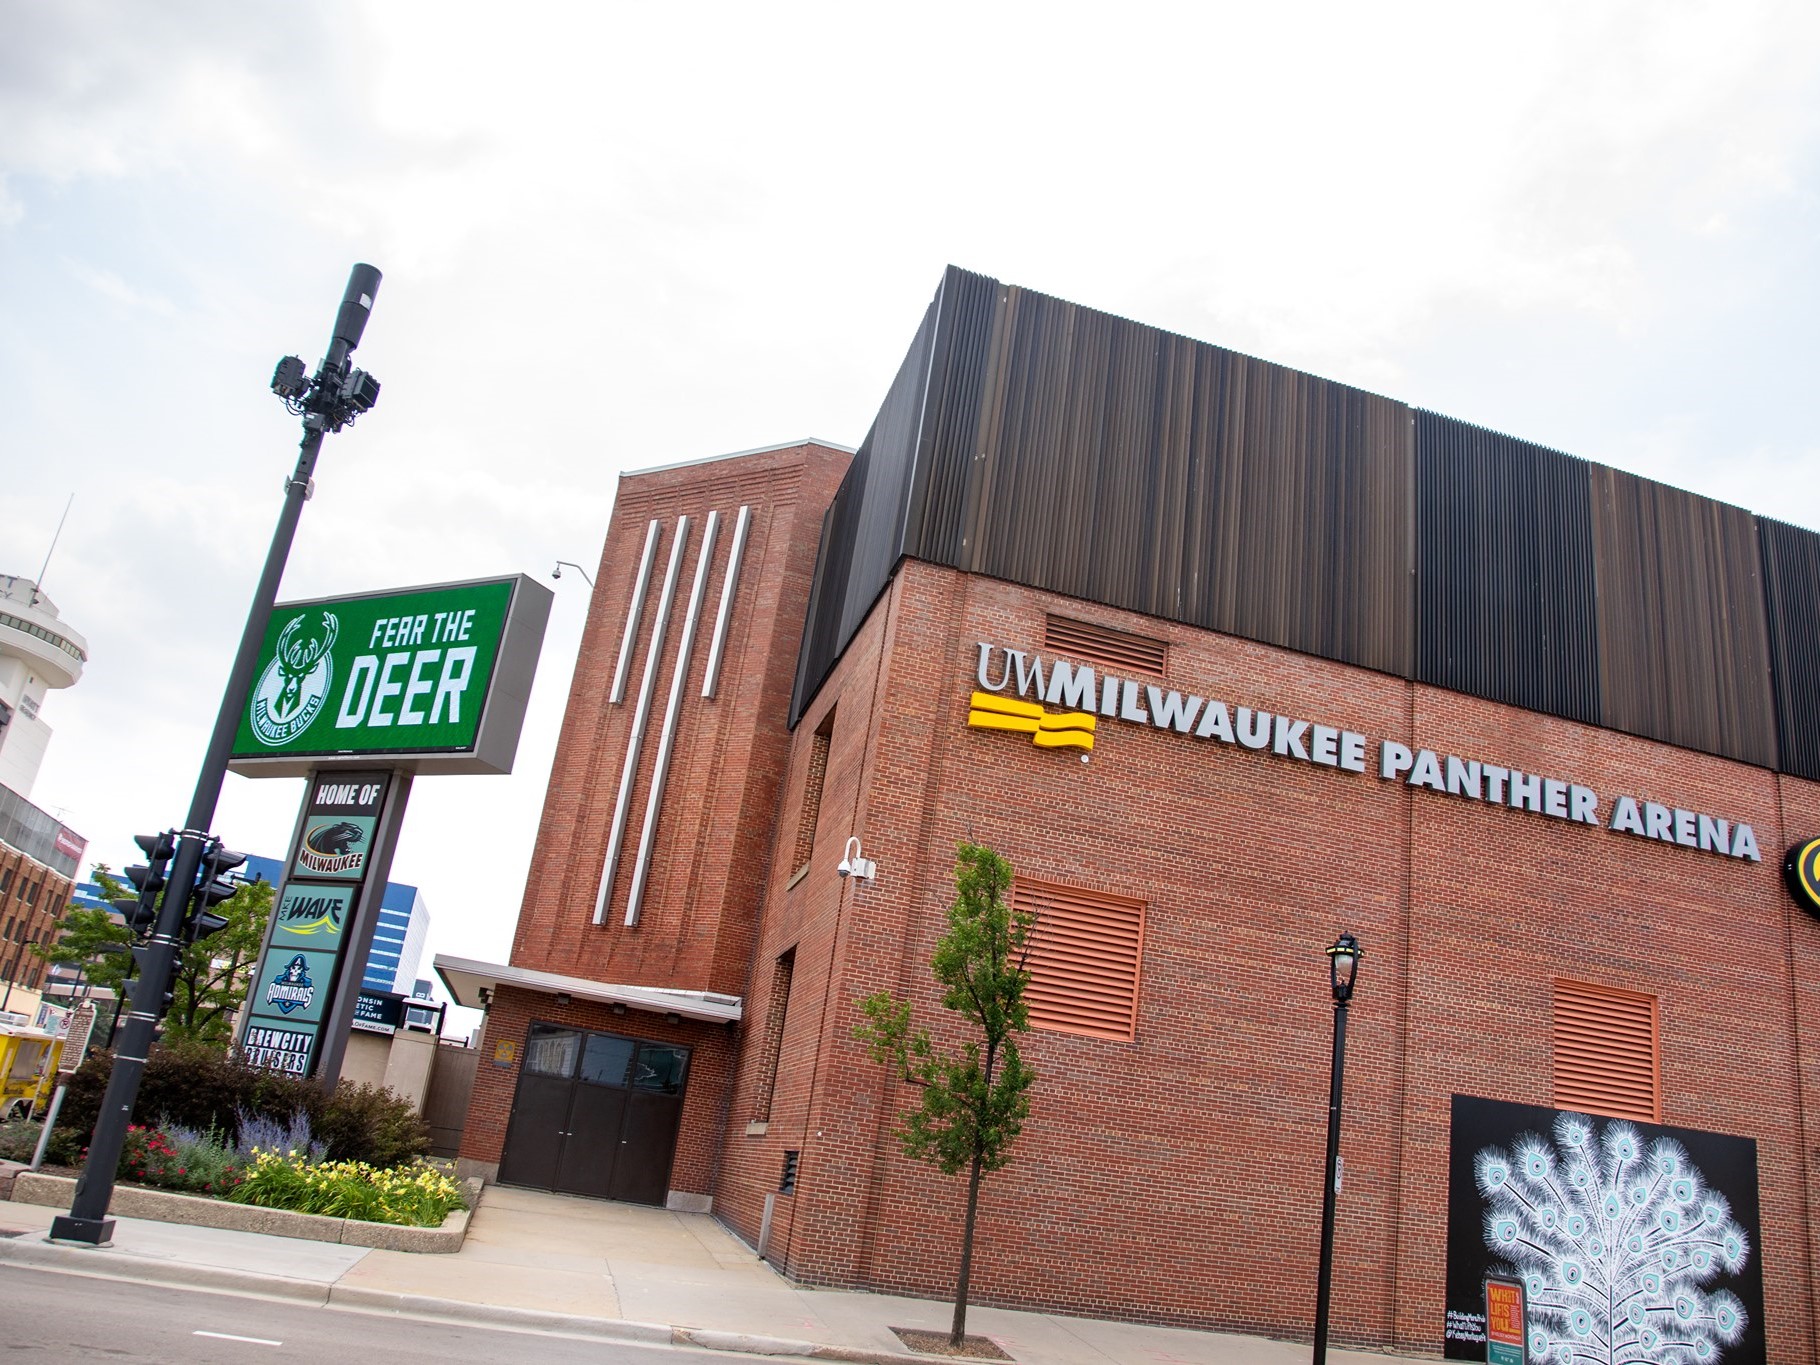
<point>1537,732</point>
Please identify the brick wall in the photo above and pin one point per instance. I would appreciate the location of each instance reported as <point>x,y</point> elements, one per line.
<point>1177,1177</point>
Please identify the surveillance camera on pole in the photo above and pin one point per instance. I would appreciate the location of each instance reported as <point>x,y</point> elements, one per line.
<point>328,400</point>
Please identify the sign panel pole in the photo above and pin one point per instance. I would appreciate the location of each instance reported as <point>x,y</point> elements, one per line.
<point>339,1019</point>
<point>334,878</point>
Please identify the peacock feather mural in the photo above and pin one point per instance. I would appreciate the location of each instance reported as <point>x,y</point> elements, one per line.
<point>1630,1253</point>
<point>1616,1241</point>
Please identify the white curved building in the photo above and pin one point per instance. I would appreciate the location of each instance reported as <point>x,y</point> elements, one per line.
<point>38,653</point>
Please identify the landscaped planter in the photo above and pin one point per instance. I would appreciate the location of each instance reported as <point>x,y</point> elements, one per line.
<point>130,1201</point>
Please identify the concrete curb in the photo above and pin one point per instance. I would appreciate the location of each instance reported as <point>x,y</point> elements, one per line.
<point>105,1263</point>
<point>132,1201</point>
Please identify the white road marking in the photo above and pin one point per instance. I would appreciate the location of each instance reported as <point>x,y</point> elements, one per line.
<point>229,1336</point>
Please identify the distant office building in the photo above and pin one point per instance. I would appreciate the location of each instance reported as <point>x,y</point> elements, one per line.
<point>38,861</point>
<point>37,653</point>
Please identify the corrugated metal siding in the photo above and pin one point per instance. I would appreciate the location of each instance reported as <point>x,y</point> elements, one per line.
<point>1086,958</point>
<point>1683,643</point>
<point>1606,1059</point>
<point>1122,464</point>
<point>1051,445</point>
<point>1506,605</point>
<point>1791,594</point>
<point>862,531</point>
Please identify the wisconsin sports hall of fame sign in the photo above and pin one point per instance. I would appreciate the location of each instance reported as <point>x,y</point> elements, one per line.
<point>1630,1241</point>
<point>362,695</point>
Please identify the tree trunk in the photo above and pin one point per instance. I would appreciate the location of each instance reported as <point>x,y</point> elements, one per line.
<point>957,1334</point>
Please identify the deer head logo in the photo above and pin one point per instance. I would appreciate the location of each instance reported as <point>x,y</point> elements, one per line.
<point>291,690</point>
<point>297,659</point>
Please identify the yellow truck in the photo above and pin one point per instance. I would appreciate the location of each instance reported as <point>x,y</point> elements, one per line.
<point>28,1069</point>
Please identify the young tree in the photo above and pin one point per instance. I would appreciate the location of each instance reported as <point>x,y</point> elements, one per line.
<point>211,977</point>
<point>974,1100</point>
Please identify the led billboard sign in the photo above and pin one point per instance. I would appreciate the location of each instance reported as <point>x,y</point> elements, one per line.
<point>432,679</point>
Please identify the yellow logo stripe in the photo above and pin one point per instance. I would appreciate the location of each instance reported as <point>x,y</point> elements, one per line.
<point>1072,729</point>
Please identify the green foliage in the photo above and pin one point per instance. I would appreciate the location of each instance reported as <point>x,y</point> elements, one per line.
<point>189,1085</point>
<point>417,1195</point>
<point>90,939</point>
<point>211,977</point>
<point>974,1099</point>
<point>19,1139</point>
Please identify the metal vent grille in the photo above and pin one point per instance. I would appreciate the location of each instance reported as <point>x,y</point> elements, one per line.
<point>787,1182</point>
<point>1606,1059</point>
<point>1086,952</point>
<point>1104,645</point>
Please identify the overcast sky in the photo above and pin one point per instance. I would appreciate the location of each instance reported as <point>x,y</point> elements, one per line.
<point>616,236</point>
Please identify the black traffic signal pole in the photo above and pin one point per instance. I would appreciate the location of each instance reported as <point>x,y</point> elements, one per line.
<point>325,406</point>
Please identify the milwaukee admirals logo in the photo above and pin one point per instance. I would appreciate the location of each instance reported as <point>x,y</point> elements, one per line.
<point>292,988</point>
<point>291,691</point>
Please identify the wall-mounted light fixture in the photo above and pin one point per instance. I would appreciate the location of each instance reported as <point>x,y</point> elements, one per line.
<point>673,1019</point>
<point>557,571</point>
<point>618,1007</point>
<point>486,996</point>
<point>856,865</point>
<point>563,998</point>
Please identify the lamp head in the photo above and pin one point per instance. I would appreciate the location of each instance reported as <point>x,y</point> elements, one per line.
<point>1343,966</point>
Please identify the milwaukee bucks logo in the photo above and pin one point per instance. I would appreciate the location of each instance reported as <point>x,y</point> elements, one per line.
<point>291,691</point>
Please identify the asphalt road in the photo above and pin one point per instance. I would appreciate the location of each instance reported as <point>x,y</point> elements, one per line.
<point>47,1316</point>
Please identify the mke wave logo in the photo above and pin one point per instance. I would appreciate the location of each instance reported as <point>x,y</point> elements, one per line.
<point>1069,730</point>
<point>319,915</point>
<point>330,847</point>
<point>291,691</point>
<point>292,988</point>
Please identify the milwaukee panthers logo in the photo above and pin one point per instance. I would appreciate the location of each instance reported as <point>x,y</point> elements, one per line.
<point>290,693</point>
<point>330,847</point>
<point>292,988</point>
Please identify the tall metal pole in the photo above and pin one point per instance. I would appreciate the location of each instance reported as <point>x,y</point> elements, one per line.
<point>1324,1276</point>
<point>326,409</point>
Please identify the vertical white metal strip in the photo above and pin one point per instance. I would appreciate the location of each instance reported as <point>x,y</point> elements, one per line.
<point>660,770</point>
<point>653,655</point>
<point>719,643</point>
<point>634,610</point>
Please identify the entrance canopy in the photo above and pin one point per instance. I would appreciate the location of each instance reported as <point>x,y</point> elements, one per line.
<point>466,979</point>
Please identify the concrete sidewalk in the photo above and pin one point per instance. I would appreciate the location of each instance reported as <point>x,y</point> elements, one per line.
<point>616,1272</point>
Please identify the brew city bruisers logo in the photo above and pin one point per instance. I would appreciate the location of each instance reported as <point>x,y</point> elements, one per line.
<point>311,915</point>
<point>292,988</point>
<point>1006,675</point>
<point>330,847</point>
<point>279,1049</point>
<point>292,689</point>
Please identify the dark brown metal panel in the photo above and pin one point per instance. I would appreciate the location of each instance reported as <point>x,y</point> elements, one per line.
<point>1505,599</point>
<point>1683,639</point>
<point>1791,591</point>
<point>1122,464</point>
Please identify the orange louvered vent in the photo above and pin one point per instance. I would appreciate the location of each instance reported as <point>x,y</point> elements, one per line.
<point>1104,645</point>
<point>1086,952</point>
<point>1606,1060</point>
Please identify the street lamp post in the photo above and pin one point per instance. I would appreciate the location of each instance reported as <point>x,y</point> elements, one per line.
<point>1342,966</point>
<point>12,972</point>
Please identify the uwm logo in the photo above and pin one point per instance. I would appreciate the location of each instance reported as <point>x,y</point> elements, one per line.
<point>1069,730</point>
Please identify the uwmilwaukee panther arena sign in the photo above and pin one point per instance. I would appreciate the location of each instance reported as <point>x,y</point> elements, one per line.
<point>434,679</point>
<point>1016,688</point>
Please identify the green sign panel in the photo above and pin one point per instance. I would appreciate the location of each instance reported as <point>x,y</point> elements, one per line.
<point>311,918</point>
<point>384,674</point>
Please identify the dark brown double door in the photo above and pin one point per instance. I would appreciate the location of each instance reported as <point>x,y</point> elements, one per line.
<point>595,1114</point>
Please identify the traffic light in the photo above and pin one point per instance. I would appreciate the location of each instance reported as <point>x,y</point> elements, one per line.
<point>141,911</point>
<point>212,887</point>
